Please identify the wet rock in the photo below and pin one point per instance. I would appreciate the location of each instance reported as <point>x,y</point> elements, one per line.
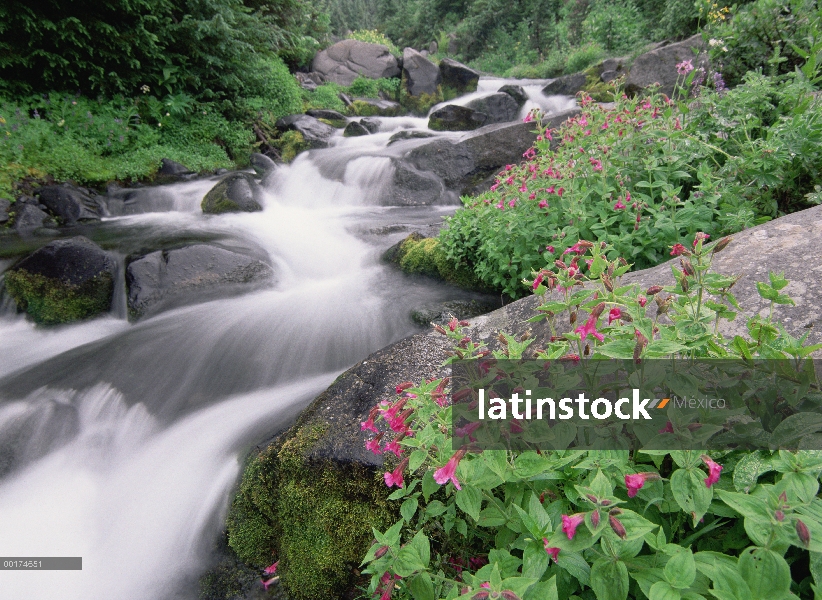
<point>335,118</point>
<point>453,44</point>
<point>237,192</point>
<point>659,65</point>
<point>372,125</point>
<point>344,61</point>
<point>567,85</point>
<point>315,133</point>
<point>611,68</point>
<point>28,217</point>
<point>412,187</point>
<point>442,312</point>
<point>173,171</point>
<point>457,79</point>
<point>371,107</point>
<point>355,129</point>
<point>4,210</point>
<point>499,107</point>
<point>70,204</point>
<point>409,134</point>
<point>452,117</point>
<point>65,280</point>
<point>517,92</point>
<point>309,81</point>
<point>261,163</point>
<point>419,74</point>
<point>191,274</point>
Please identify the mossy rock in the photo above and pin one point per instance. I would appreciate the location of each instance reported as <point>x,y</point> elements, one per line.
<point>425,256</point>
<point>290,144</point>
<point>237,192</point>
<point>370,107</point>
<point>335,123</point>
<point>421,104</point>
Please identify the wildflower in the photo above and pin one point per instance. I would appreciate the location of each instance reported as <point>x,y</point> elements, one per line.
<point>803,533</point>
<point>590,327</point>
<point>271,569</point>
<point>513,203</point>
<point>685,67</point>
<point>635,482</point>
<point>677,249</point>
<point>268,582</point>
<point>614,314</point>
<point>550,249</point>
<point>542,204</point>
<point>619,205</point>
<point>145,89</point>
<point>700,237</point>
<point>494,187</point>
<point>369,422</point>
<point>528,118</point>
<point>395,477</point>
<point>537,282</point>
<point>604,125</point>
<point>394,446</point>
<point>572,272</point>
<point>448,472</point>
<point>719,83</point>
<point>403,386</point>
<point>597,164</point>
<point>677,125</point>
<point>570,524</point>
<point>453,324</point>
<point>381,551</point>
<point>391,412</point>
<point>714,469</point>
<point>552,552</point>
<point>374,445</point>
<point>654,289</point>
<point>467,430</point>
<point>398,423</point>
<point>532,196</point>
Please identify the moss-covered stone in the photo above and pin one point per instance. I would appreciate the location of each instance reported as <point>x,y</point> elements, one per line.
<point>313,515</point>
<point>420,104</point>
<point>425,256</point>
<point>370,107</point>
<point>335,123</point>
<point>50,301</point>
<point>291,143</point>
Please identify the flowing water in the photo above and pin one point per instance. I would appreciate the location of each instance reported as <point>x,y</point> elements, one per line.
<point>120,442</point>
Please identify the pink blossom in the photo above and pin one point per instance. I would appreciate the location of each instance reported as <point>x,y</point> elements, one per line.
<point>589,328</point>
<point>597,164</point>
<point>537,281</point>
<point>614,314</point>
<point>374,445</point>
<point>510,180</point>
<point>560,192</point>
<point>576,248</point>
<point>572,272</point>
<point>669,428</point>
<point>605,125</point>
<point>494,187</point>
<point>398,423</point>
<point>268,582</point>
<point>642,300</point>
<point>619,205</point>
<point>449,471</point>
<point>587,132</point>
<point>552,552</point>
<point>532,196</point>
<point>542,204</point>
<point>548,134</point>
<point>550,189</point>
<point>677,124</point>
<point>550,248</point>
<point>714,469</point>
<point>685,67</point>
<point>403,386</point>
<point>700,237</point>
<point>512,203</point>
<point>395,477</point>
<point>393,446</point>
<point>528,118</point>
<point>583,121</point>
<point>391,412</point>
<point>570,524</point>
<point>634,483</point>
<point>467,430</point>
<point>271,569</point>
<point>368,424</point>
<point>677,249</point>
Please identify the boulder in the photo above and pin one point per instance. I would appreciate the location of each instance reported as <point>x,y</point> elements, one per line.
<point>28,217</point>
<point>457,79</point>
<point>327,114</point>
<point>433,47</point>
<point>194,273</point>
<point>355,129</point>
<point>517,92</point>
<point>611,68</point>
<point>343,62</point>
<point>441,312</point>
<point>261,163</point>
<point>238,192</point>
<point>567,85</point>
<point>69,203</point>
<point>412,187</point>
<point>371,107</point>
<point>315,133</point>
<point>170,170</point>
<point>453,44</point>
<point>372,125</point>
<point>65,280</point>
<point>659,65</point>
<point>4,210</point>
<point>409,134</point>
<point>420,75</point>
<point>452,117</point>
<point>500,107</point>
<point>309,81</point>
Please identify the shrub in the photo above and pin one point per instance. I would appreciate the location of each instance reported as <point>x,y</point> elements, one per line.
<point>372,36</point>
<point>583,57</point>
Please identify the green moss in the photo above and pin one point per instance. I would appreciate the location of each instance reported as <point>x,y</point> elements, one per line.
<point>335,123</point>
<point>315,517</point>
<point>291,143</point>
<point>595,87</point>
<point>419,105</point>
<point>449,93</point>
<point>425,256</point>
<point>50,301</point>
<point>360,108</point>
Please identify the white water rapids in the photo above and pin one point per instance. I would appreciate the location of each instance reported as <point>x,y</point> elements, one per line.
<point>121,442</point>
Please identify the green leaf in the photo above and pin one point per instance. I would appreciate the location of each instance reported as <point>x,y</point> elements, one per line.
<point>408,562</point>
<point>543,590</point>
<point>662,590</point>
<point>690,492</point>
<point>421,587</point>
<point>622,349</point>
<point>491,517</point>
<point>778,280</point>
<point>800,485</point>
<point>416,459</point>
<point>409,509</point>
<point>609,579</point>
<point>680,571</point>
<point>435,508</point>
<point>766,573</point>
<point>747,506</point>
<point>794,428</point>
<point>423,547</point>
<point>748,470</point>
<point>766,291</point>
<point>469,499</point>
<point>529,464</point>
<point>534,560</point>
<point>429,486</point>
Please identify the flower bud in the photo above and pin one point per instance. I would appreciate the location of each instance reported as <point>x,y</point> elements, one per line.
<point>439,329</point>
<point>585,244</point>
<point>654,289</point>
<point>780,516</point>
<point>609,285</point>
<point>595,518</point>
<point>686,267</point>
<point>502,340</point>
<point>481,595</point>
<point>683,283</point>
<point>803,533</point>
<point>573,317</point>
<point>722,244</point>
<point>618,527</point>
<point>597,310</point>
<point>509,595</point>
<point>381,552</point>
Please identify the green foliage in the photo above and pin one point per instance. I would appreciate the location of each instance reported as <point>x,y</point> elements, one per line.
<point>425,256</point>
<point>291,143</point>
<point>371,88</point>
<point>51,302</point>
<point>606,524</point>
<point>616,26</point>
<point>372,36</point>
<point>324,96</point>
<point>583,57</point>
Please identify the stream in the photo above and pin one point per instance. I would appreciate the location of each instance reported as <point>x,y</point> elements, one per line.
<point>121,442</point>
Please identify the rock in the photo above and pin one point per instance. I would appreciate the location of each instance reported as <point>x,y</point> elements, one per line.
<point>567,85</point>
<point>423,53</point>
<point>4,210</point>
<point>457,79</point>
<point>315,133</point>
<point>343,62</point>
<point>471,158</point>
<point>372,125</point>
<point>309,81</point>
<point>371,107</point>
<point>420,75</point>
<point>517,92</point>
<point>69,203</point>
<point>500,107</point>
<point>191,274</point>
<point>261,163</point>
<point>611,68</point>
<point>324,113</point>
<point>355,129</point>
<point>28,217</point>
<point>452,117</point>
<point>345,99</point>
<point>442,312</point>
<point>412,187</point>
<point>433,47</point>
<point>659,65</point>
<point>236,193</point>
<point>453,44</point>
<point>409,134</point>
<point>65,280</point>
<point>173,170</point>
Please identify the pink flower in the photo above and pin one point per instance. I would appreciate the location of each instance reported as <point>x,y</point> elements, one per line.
<point>669,427</point>
<point>552,552</point>
<point>448,472</point>
<point>714,469</point>
<point>268,582</point>
<point>398,423</point>
<point>549,248</point>
<point>619,205</point>
<point>605,125</point>
<point>528,118</point>
<point>560,192</point>
<point>570,524</point>
<point>542,204</point>
<point>523,188</point>
<point>537,281</point>
<point>394,447</point>
<point>576,248</point>
<point>271,569</point>
<point>512,203</point>
<point>700,237</point>
<point>494,187</point>
<point>590,327</point>
<point>368,424</point>
<point>374,445</point>
<point>572,272</point>
<point>677,249</point>
<point>677,125</point>
<point>685,67</point>
<point>395,477</point>
<point>467,430</point>
<point>614,314</point>
<point>642,300</point>
<point>532,196</point>
<point>634,483</point>
<point>597,164</point>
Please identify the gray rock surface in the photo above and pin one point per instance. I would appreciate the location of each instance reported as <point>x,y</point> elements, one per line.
<point>517,92</point>
<point>442,312</point>
<point>237,192</point>
<point>314,131</point>
<point>191,274</point>
<point>172,169</point>
<point>5,204</point>
<point>567,85</point>
<point>421,76</point>
<point>346,60</point>
<point>69,203</point>
<point>261,163</point>
<point>309,81</point>
<point>371,124</point>
<point>453,117</point>
<point>355,129</point>
<point>611,68</point>
<point>325,113</point>
<point>412,187</point>
<point>375,107</point>
<point>409,134</point>
<point>457,77</point>
<point>28,217</point>
<point>659,65</point>
<point>500,107</point>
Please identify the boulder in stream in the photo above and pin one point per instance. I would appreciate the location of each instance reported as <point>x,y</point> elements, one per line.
<point>517,92</point>
<point>355,129</point>
<point>500,107</point>
<point>196,273</point>
<point>344,61</point>
<point>453,117</point>
<point>567,85</point>
<point>314,132</point>
<point>70,204</point>
<point>65,280</point>
<point>238,192</point>
<point>261,163</point>
<point>372,107</point>
<point>659,65</point>
<point>457,79</point>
